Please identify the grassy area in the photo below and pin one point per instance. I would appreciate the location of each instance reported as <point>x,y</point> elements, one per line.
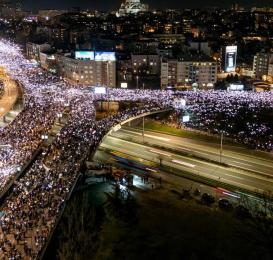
<point>158,127</point>
<point>166,129</point>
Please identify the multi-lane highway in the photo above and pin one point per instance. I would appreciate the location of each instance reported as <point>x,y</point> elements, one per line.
<point>249,160</point>
<point>178,152</point>
<point>10,94</point>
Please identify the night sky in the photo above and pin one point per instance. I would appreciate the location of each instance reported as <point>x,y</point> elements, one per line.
<point>114,4</point>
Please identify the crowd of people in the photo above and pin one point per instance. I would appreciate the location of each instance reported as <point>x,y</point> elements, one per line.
<point>39,195</point>
<point>246,117</point>
<point>45,96</point>
<point>31,211</point>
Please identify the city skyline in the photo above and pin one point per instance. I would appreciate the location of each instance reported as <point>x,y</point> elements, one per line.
<point>112,5</point>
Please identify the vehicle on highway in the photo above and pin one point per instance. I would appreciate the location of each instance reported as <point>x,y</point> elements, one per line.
<point>224,204</point>
<point>207,199</point>
<point>242,212</point>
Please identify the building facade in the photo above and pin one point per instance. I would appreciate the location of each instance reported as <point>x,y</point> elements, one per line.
<point>188,73</point>
<point>145,64</point>
<point>87,72</point>
<point>34,50</point>
<point>261,64</point>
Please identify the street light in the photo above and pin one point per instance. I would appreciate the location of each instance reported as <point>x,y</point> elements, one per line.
<point>143,128</point>
<point>137,78</point>
<point>221,146</point>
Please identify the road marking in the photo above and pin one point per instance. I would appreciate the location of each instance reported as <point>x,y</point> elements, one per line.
<point>161,153</point>
<point>184,163</point>
<point>234,176</point>
<point>151,136</point>
<point>246,156</point>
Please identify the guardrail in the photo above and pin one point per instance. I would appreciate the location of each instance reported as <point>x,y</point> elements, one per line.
<point>132,119</point>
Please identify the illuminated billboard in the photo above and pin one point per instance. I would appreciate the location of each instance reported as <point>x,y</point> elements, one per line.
<point>124,85</point>
<point>236,87</point>
<point>105,56</point>
<point>84,55</point>
<point>100,90</point>
<point>230,58</point>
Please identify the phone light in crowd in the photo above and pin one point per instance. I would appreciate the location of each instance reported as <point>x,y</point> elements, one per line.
<point>183,102</point>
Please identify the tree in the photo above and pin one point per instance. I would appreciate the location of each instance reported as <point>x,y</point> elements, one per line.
<point>79,230</point>
<point>260,225</point>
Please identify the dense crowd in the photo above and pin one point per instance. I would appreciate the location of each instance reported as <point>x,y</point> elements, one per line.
<point>30,213</point>
<point>32,209</point>
<point>39,196</point>
<point>45,96</point>
<point>247,117</point>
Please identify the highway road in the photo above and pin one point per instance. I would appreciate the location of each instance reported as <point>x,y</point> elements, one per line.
<point>177,182</point>
<point>260,163</point>
<point>10,95</point>
<point>187,164</point>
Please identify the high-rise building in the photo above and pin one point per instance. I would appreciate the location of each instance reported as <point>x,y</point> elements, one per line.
<point>131,7</point>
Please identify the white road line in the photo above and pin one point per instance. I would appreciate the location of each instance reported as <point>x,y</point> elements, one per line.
<point>147,135</point>
<point>161,153</point>
<point>233,176</point>
<point>184,163</point>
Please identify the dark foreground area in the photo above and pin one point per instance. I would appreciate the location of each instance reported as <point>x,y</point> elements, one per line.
<point>104,222</point>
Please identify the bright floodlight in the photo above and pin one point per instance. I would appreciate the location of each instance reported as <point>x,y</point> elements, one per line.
<point>186,119</point>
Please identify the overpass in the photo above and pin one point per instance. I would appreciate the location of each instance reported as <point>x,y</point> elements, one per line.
<point>108,129</point>
<point>118,126</point>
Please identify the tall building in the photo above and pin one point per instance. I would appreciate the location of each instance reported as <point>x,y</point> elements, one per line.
<point>131,7</point>
<point>89,68</point>
<point>34,50</point>
<point>188,73</point>
<point>261,64</point>
<point>144,64</point>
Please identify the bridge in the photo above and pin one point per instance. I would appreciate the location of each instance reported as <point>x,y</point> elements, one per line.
<point>118,126</point>
<point>55,171</point>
